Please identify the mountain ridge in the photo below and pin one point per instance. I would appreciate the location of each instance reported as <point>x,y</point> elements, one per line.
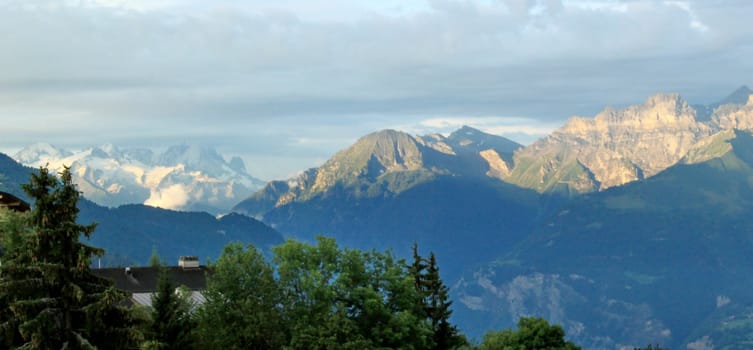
<point>618,146</point>
<point>182,177</point>
<point>130,233</point>
<point>587,227</point>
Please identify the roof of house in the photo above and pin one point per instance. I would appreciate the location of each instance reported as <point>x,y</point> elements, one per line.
<point>144,279</point>
<point>145,299</point>
<point>13,202</point>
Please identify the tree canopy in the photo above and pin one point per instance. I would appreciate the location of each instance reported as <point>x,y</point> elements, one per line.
<point>49,299</point>
<point>533,333</point>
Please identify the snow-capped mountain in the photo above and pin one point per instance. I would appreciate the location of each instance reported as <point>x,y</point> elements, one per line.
<point>183,177</point>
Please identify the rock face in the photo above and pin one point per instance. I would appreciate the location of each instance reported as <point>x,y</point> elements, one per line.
<point>623,145</point>
<point>737,116</point>
<point>183,177</point>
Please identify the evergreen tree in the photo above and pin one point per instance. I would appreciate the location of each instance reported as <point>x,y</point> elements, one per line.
<point>171,322</point>
<point>13,232</point>
<point>435,301</point>
<point>446,335</point>
<point>418,267</point>
<point>50,298</point>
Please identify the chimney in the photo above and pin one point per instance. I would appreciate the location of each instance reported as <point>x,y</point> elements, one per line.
<point>188,262</point>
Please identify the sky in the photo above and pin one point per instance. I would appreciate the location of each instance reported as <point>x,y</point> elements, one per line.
<point>286,83</point>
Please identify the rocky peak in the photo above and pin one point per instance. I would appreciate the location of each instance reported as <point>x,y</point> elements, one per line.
<point>371,156</point>
<point>469,139</point>
<point>661,111</point>
<point>143,155</point>
<point>737,113</point>
<point>740,96</point>
<point>237,164</point>
<point>671,100</point>
<point>393,150</point>
<point>39,153</point>
<point>466,131</point>
<point>106,151</point>
<point>203,158</point>
<point>616,146</point>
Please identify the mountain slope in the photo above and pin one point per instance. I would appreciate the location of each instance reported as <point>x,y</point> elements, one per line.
<point>129,233</point>
<point>183,177</point>
<point>391,189</point>
<point>464,221</point>
<point>665,260</point>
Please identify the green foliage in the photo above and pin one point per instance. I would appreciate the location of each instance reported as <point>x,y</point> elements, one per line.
<point>171,323</point>
<point>48,297</point>
<point>323,297</point>
<point>13,231</point>
<point>434,301</point>
<point>532,334</point>
<point>343,299</point>
<point>242,309</point>
<point>14,226</point>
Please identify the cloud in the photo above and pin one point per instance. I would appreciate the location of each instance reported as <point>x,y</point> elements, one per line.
<point>522,130</point>
<point>504,126</point>
<point>172,197</point>
<point>257,77</point>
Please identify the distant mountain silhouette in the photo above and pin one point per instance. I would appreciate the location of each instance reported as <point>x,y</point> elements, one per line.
<point>130,233</point>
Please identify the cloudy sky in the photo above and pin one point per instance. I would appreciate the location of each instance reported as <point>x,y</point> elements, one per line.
<point>286,83</point>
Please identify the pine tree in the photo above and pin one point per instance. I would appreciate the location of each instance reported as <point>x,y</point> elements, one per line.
<point>49,295</point>
<point>417,269</point>
<point>13,231</point>
<point>172,322</point>
<point>446,335</point>
<point>434,301</point>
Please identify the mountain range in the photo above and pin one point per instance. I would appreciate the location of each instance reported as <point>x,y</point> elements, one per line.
<point>628,228</point>
<point>182,177</point>
<point>131,233</point>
